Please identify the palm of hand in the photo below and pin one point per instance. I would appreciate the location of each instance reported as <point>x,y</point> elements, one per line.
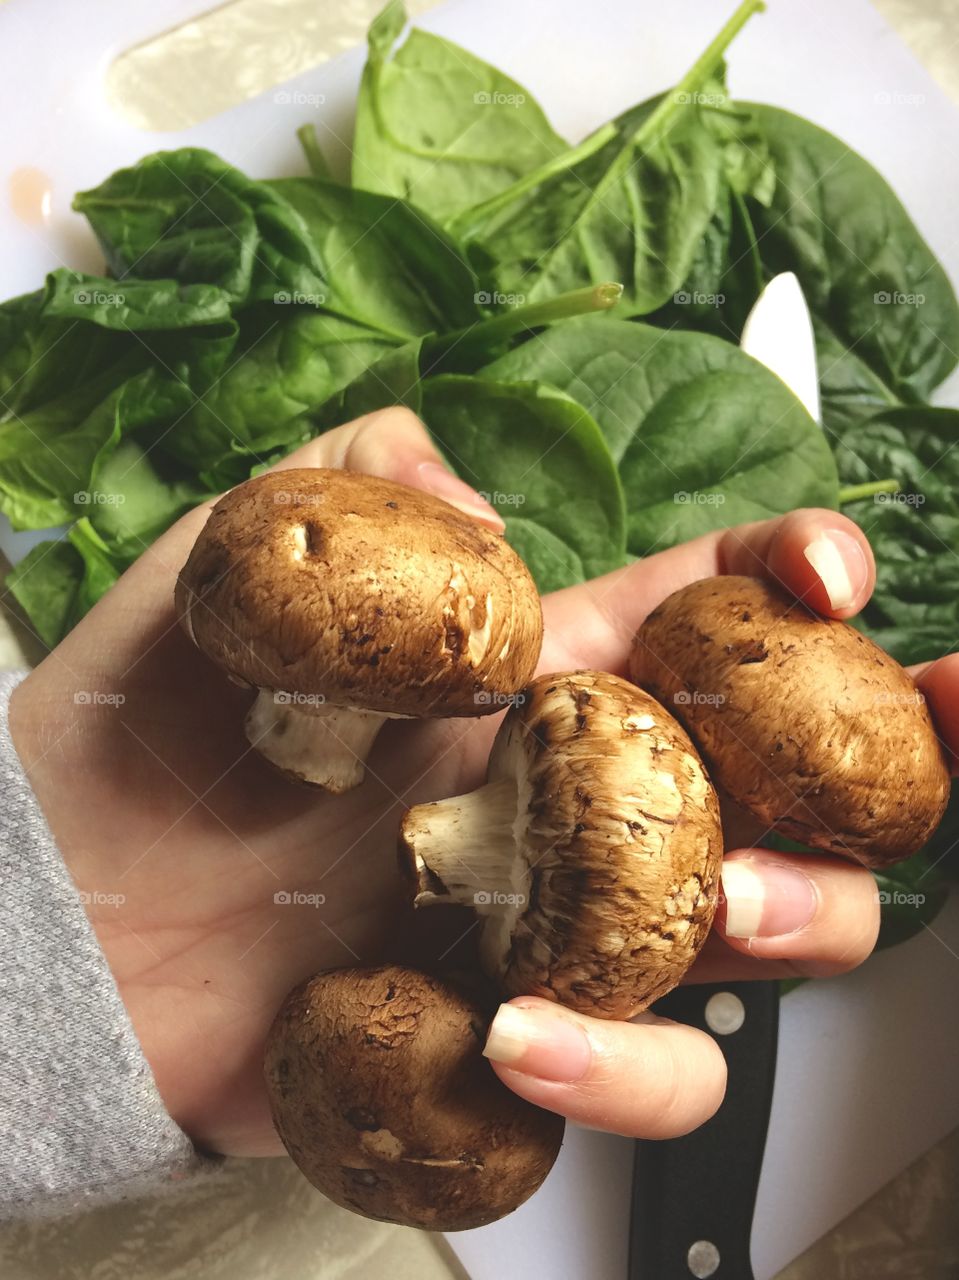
<point>182,836</point>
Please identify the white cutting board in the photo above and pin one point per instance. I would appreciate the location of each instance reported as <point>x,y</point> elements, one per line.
<point>867,1063</point>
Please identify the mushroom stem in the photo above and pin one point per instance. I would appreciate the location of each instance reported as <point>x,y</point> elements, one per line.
<point>321,744</point>
<point>465,850</point>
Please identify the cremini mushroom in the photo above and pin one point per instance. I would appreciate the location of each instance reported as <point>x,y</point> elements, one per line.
<point>347,600</point>
<point>380,1093</point>
<point>592,853</point>
<point>802,720</point>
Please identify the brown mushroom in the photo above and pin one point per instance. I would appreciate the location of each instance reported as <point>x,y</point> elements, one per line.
<point>802,720</point>
<point>592,853</point>
<point>347,600</point>
<point>381,1095</point>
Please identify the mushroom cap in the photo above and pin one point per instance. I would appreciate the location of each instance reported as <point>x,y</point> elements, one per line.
<point>624,843</point>
<point>370,594</point>
<point>802,720</point>
<point>381,1095</point>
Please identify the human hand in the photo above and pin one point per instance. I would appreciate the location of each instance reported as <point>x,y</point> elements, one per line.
<point>156,799</point>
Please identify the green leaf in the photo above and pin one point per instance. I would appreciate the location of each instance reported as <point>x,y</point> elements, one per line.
<point>132,503</point>
<point>545,466</point>
<point>865,269</point>
<point>134,305</point>
<point>288,361</point>
<point>45,584</point>
<point>911,895</point>
<point>188,215</point>
<point>101,568</point>
<point>635,209</point>
<point>850,392</point>
<point>704,436</point>
<point>386,266</point>
<point>914,611</point>
<point>44,359</point>
<point>393,380</point>
<point>440,127</point>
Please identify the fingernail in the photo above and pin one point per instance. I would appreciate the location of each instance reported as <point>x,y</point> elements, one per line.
<point>837,558</point>
<point>538,1043</point>
<point>766,899</point>
<point>443,484</point>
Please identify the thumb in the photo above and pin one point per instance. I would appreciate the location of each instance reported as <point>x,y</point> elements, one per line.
<point>394,445</point>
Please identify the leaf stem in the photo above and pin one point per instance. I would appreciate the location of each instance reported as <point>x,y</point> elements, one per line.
<point>854,492</point>
<point>315,159</point>
<point>467,224</point>
<point>479,338</point>
<point>700,71</point>
<point>470,222</point>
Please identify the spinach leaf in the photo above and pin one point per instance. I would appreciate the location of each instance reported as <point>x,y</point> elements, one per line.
<point>393,380</point>
<point>44,359</point>
<point>188,215</point>
<point>385,265</point>
<point>914,611</point>
<point>911,894</point>
<point>867,273</point>
<point>288,360</point>
<point>440,127</point>
<point>542,461</point>
<point>58,582</point>
<point>634,209</point>
<point>850,392</point>
<point>47,454</point>
<point>704,436</point>
<point>133,305</point>
<point>132,501</point>
<point>45,584</point>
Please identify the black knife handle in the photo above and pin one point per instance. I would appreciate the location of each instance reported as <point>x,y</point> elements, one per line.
<point>694,1197</point>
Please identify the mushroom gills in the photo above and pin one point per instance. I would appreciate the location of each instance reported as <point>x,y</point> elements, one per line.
<point>316,742</point>
<point>469,850</point>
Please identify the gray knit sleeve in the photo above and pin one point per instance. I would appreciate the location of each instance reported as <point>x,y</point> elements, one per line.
<point>81,1120</point>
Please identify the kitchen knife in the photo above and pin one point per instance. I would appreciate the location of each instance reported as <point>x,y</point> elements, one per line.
<point>693,1197</point>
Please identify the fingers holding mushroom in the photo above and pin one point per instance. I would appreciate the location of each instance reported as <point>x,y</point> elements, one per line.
<point>592,853</point>
<point>818,556</point>
<point>345,600</point>
<point>649,1079</point>
<point>801,720</point>
<point>783,916</point>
